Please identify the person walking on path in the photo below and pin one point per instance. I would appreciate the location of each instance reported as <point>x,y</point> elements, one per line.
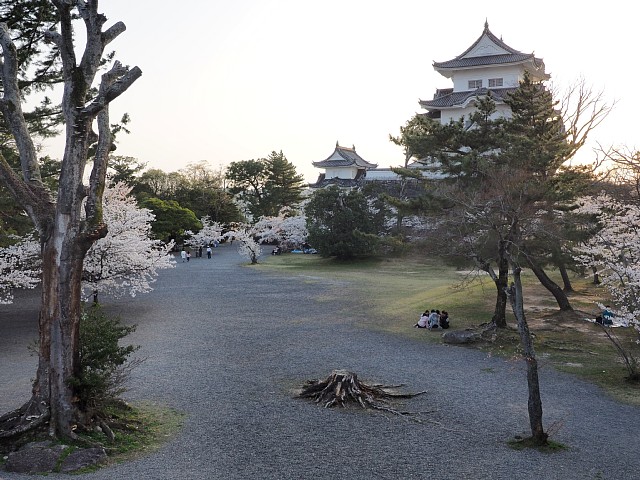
<point>208,251</point>
<point>183,255</point>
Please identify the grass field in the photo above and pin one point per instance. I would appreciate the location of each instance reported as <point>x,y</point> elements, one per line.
<point>394,291</point>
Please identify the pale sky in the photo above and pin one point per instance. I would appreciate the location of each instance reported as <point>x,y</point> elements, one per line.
<point>225,81</point>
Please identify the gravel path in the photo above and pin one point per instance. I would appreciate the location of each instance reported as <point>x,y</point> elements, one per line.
<point>226,344</point>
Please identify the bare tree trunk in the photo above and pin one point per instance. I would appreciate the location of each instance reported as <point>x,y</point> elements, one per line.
<point>567,287</point>
<point>553,287</point>
<point>500,280</point>
<point>59,332</point>
<point>499,318</point>
<point>596,277</point>
<point>534,403</point>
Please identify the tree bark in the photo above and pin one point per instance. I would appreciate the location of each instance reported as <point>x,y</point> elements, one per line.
<point>499,318</point>
<point>59,330</point>
<point>553,287</point>
<point>501,281</point>
<point>567,287</point>
<point>534,403</point>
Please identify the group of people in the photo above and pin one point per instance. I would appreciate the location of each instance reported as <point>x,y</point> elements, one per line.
<point>185,254</point>
<point>433,319</point>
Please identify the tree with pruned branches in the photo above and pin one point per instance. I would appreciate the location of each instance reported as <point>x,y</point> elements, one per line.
<point>66,232</point>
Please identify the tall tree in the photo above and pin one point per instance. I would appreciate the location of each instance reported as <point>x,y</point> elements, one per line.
<point>283,186</point>
<point>65,234</point>
<point>246,181</point>
<point>123,169</point>
<point>265,185</point>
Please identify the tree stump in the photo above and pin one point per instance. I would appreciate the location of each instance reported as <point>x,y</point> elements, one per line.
<point>342,388</point>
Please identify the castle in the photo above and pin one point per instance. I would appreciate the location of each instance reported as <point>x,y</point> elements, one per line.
<point>488,65</point>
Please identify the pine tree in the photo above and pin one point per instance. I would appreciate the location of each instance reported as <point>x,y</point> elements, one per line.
<point>283,186</point>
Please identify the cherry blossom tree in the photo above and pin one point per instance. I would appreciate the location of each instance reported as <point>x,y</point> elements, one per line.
<point>19,267</point>
<point>248,246</point>
<point>127,260</point>
<point>209,233</point>
<point>614,250</point>
<point>288,229</point>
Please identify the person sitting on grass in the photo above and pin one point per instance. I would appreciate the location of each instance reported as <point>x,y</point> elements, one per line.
<point>444,319</point>
<point>434,319</point>
<point>607,316</point>
<point>424,320</point>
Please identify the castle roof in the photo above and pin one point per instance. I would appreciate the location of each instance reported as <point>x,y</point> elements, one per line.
<point>344,157</point>
<point>448,98</point>
<point>490,50</point>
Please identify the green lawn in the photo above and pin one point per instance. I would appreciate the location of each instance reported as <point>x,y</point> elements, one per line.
<point>394,291</point>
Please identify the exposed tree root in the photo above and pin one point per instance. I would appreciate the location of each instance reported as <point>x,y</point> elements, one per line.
<point>23,424</point>
<point>342,388</point>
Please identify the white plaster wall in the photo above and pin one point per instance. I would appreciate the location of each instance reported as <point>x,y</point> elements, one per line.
<point>343,172</point>
<point>511,75</point>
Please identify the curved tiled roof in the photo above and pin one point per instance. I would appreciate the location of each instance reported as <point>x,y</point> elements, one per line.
<point>346,157</point>
<point>513,55</point>
<point>460,98</point>
<point>489,60</point>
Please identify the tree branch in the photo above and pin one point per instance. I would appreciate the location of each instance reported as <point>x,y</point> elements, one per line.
<point>112,32</point>
<point>64,39</point>
<point>114,82</point>
<point>119,79</point>
<point>11,106</point>
<point>35,199</point>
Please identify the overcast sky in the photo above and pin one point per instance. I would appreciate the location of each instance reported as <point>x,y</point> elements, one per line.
<point>225,81</point>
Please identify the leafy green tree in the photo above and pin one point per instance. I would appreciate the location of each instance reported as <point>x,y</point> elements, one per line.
<point>123,169</point>
<point>202,191</point>
<point>38,62</point>
<point>247,180</point>
<point>153,183</point>
<point>341,224</point>
<point>265,185</point>
<point>197,187</point>
<point>283,186</point>
<point>172,220</point>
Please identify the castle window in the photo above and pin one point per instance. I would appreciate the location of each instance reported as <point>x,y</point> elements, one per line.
<point>495,82</point>
<point>473,84</point>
